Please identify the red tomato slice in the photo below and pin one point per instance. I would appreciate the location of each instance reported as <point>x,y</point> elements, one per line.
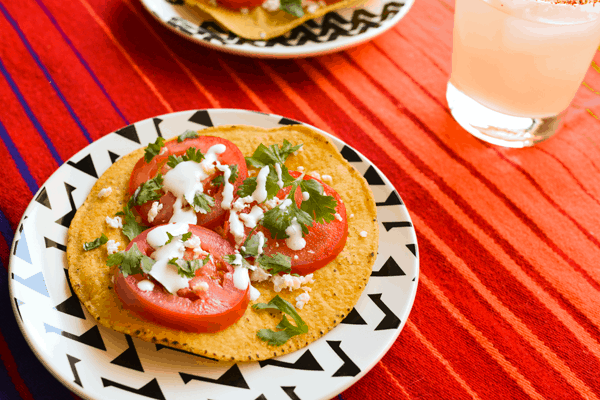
<point>239,4</point>
<point>323,241</point>
<point>143,171</point>
<point>194,311</point>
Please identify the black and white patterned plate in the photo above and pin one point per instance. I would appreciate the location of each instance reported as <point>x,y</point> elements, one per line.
<point>98,363</point>
<point>334,31</point>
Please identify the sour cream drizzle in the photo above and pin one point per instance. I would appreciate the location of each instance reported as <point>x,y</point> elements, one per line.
<point>163,272</point>
<point>185,180</point>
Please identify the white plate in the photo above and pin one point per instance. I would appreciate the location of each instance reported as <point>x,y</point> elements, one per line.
<point>98,363</point>
<point>335,31</point>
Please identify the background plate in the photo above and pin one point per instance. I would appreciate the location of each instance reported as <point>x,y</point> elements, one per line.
<point>98,363</point>
<point>334,31</point>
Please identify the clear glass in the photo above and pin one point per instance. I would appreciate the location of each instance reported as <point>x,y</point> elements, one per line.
<point>517,64</point>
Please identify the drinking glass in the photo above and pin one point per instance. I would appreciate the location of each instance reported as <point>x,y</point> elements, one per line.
<point>516,65</point>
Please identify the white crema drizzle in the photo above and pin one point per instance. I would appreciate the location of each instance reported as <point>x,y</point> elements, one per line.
<point>162,271</point>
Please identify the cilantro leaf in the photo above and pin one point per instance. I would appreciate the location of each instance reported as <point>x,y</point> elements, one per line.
<point>203,203</point>
<point>189,134</point>
<point>249,185</point>
<point>131,262</point>
<point>131,228</point>
<point>219,180</point>
<point>252,243</point>
<point>319,206</point>
<point>293,7</point>
<point>170,238</point>
<point>149,190</point>
<point>277,338</point>
<point>275,263</point>
<point>273,154</point>
<point>186,236</point>
<point>153,149</point>
<point>230,259</point>
<point>278,219</point>
<point>95,243</point>
<point>191,154</point>
<point>188,268</point>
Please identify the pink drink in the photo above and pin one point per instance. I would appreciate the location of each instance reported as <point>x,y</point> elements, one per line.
<point>523,58</point>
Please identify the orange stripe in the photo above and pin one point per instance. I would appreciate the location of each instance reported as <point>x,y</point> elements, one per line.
<point>592,113</point>
<point>441,359</point>
<point>391,376</point>
<point>502,310</point>
<point>483,341</point>
<point>590,88</point>
<point>563,281</point>
<point>302,105</point>
<point>137,69</point>
<point>249,92</point>
<point>213,102</point>
<point>550,221</point>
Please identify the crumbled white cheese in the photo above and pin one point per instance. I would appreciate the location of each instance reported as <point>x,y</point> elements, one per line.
<point>156,207</point>
<point>272,203</point>
<point>363,233</point>
<point>312,8</point>
<point>112,247</point>
<point>326,178</point>
<point>263,35</point>
<point>315,174</point>
<point>145,285</point>
<point>295,257</point>
<point>201,287</point>
<point>338,217</point>
<point>254,293</point>
<point>290,282</point>
<point>252,218</point>
<point>115,222</point>
<point>244,11</point>
<point>301,168</point>
<point>192,242</point>
<point>305,196</point>
<point>104,193</point>
<point>302,299</point>
<point>259,275</point>
<point>163,151</point>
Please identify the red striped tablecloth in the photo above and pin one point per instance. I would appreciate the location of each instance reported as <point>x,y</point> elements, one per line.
<point>509,287</point>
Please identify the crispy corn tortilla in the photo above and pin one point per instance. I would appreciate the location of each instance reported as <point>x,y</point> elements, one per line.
<point>260,24</point>
<point>335,291</point>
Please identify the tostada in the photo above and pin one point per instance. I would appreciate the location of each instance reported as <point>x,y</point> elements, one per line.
<point>236,243</point>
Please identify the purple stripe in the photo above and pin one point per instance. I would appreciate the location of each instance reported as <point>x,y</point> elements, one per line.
<point>33,54</point>
<point>82,60</point>
<point>30,114</point>
<point>5,229</point>
<point>16,156</point>
<point>7,388</point>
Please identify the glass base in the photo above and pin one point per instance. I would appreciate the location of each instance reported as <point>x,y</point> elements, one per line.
<point>497,128</point>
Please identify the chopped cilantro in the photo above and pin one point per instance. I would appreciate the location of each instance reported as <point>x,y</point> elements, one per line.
<point>186,236</point>
<point>153,149</point>
<point>230,259</point>
<point>251,245</point>
<point>131,228</point>
<point>219,180</point>
<point>203,203</point>
<point>188,268</point>
<point>319,206</point>
<point>277,338</point>
<point>275,263</point>
<point>95,243</point>
<point>293,7</point>
<point>191,154</point>
<point>278,219</point>
<point>271,155</point>
<point>149,190</point>
<point>131,262</point>
<point>249,185</point>
<point>189,134</point>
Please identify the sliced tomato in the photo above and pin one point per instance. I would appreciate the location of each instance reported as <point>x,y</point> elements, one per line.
<point>190,310</point>
<point>239,4</point>
<point>324,241</point>
<point>143,172</point>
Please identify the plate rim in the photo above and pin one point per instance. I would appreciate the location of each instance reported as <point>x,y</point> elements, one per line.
<point>338,389</point>
<point>288,52</point>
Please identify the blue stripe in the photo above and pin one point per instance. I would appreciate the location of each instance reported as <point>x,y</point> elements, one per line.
<point>16,156</point>
<point>340,397</point>
<point>5,229</point>
<point>36,377</point>
<point>82,60</point>
<point>33,54</point>
<point>30,114</point>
